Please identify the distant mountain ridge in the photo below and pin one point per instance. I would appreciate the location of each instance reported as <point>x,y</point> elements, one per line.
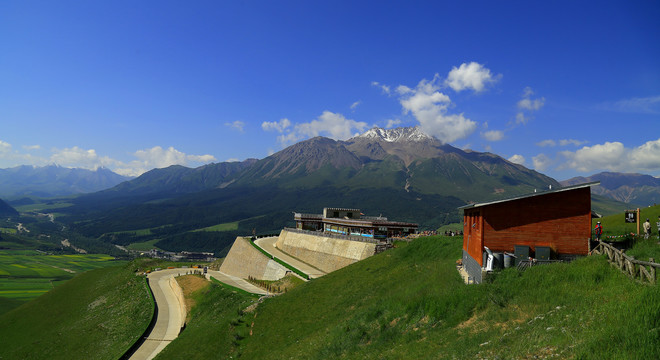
<point>6,210</point>
<point>630,188</point>
<point>401,173</point>
<point>397,159</point>
<point>53,180</point>
<point>401,158</point>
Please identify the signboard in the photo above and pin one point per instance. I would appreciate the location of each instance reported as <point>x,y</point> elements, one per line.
<point>631,216</point>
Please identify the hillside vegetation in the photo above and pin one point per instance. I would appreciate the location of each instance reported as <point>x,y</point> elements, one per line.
<point>411,303</point>
<point>96,315</point>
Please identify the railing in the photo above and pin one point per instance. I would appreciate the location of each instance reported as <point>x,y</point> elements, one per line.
<point>338,236</point>
<point>644,271</point>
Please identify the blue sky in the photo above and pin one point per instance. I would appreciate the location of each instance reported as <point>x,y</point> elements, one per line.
<point>566,88</point>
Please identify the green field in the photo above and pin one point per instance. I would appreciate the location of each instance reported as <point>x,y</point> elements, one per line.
<point>143,246</point>
<point>97,315</point>
<point>615,227</point>
<point>232,226</point>
<point>27,274</point>
<point>7,230</point>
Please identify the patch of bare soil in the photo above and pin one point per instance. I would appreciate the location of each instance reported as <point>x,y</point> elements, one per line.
<point>189,284</point>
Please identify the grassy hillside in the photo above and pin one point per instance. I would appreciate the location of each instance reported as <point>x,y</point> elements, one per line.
<point>27,274</point>
<point>614,225</point>
<point>96,315</point>
<point>411,303</point>
<point>211,331</point>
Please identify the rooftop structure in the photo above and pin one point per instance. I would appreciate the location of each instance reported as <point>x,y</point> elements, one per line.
<point>352,222</point>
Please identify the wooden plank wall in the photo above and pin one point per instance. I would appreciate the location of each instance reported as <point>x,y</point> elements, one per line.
<point>473,234</point>
<point>559,220</point>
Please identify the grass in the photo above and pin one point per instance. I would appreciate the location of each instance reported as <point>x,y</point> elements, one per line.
<point>645,249</point>
<point>278,286</point>
<point>96,315</point>
<point>614,226</point>
<point>7,230</point>
<point>143,246</point>
<point>231,226</point>
<point>217,324</point>
<point>43,206</point>
<point>27,274</point>
<point>411,303</point>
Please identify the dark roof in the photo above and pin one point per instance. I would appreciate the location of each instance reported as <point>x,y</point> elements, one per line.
<point>541,193</point>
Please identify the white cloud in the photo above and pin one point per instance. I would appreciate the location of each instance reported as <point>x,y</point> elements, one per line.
<point>527,105</point>
<point>541,162</point>
<point>355,105</point>
<point>521,118</point>
<point>645,105</point>
<point>566,142</point>
<point>531,104</point>
<point>238,125</point>
<point>384,88</point>
<point>392,123</point>
<point>470,76</point>
<point>614,156</point>
<point>5,147</point>
<point>493,135</point>
<point>78,157</point>
<point>517,159</point>
<point>157,157</point>
<point>278,126</point>
<point>561,142</point>
<point>31,147</point>
<point>329,124</point>
<point>429,107</point>
<point>547,142</point>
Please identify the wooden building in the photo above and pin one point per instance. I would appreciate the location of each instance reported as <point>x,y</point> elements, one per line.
<point>352,222</point>
<point>556,222</point>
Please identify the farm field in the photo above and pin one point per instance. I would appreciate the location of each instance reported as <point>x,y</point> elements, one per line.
<point>27,274</point>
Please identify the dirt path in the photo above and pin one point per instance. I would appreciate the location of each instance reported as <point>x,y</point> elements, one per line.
<point>189,284</point>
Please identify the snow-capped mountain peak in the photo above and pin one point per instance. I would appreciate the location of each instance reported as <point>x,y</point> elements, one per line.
<point>401,134</point>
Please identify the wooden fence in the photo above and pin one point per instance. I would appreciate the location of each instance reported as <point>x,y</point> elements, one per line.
<point>644,271</point>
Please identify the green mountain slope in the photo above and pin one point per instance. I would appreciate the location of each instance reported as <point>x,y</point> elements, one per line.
<point>96,315</point>
<point>265,209</point>
<point>6,210</point>
<point>410,303</point>
<point>400,173</point>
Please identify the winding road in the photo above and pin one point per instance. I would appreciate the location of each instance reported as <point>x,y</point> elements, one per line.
<point>171,314</point>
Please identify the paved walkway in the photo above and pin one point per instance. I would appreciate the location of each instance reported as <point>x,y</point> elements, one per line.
<point>171,313</point>
<point>268,244</point>
<point>171,307</point>
<point>236,282</point>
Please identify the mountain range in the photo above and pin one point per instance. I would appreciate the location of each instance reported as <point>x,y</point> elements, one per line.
<point>400,173</point>
<point>637,189</point>
<point>53,180</point>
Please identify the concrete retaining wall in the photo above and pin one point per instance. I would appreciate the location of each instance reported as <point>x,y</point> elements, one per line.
<point>243,261</point>
<point>325,253</point>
